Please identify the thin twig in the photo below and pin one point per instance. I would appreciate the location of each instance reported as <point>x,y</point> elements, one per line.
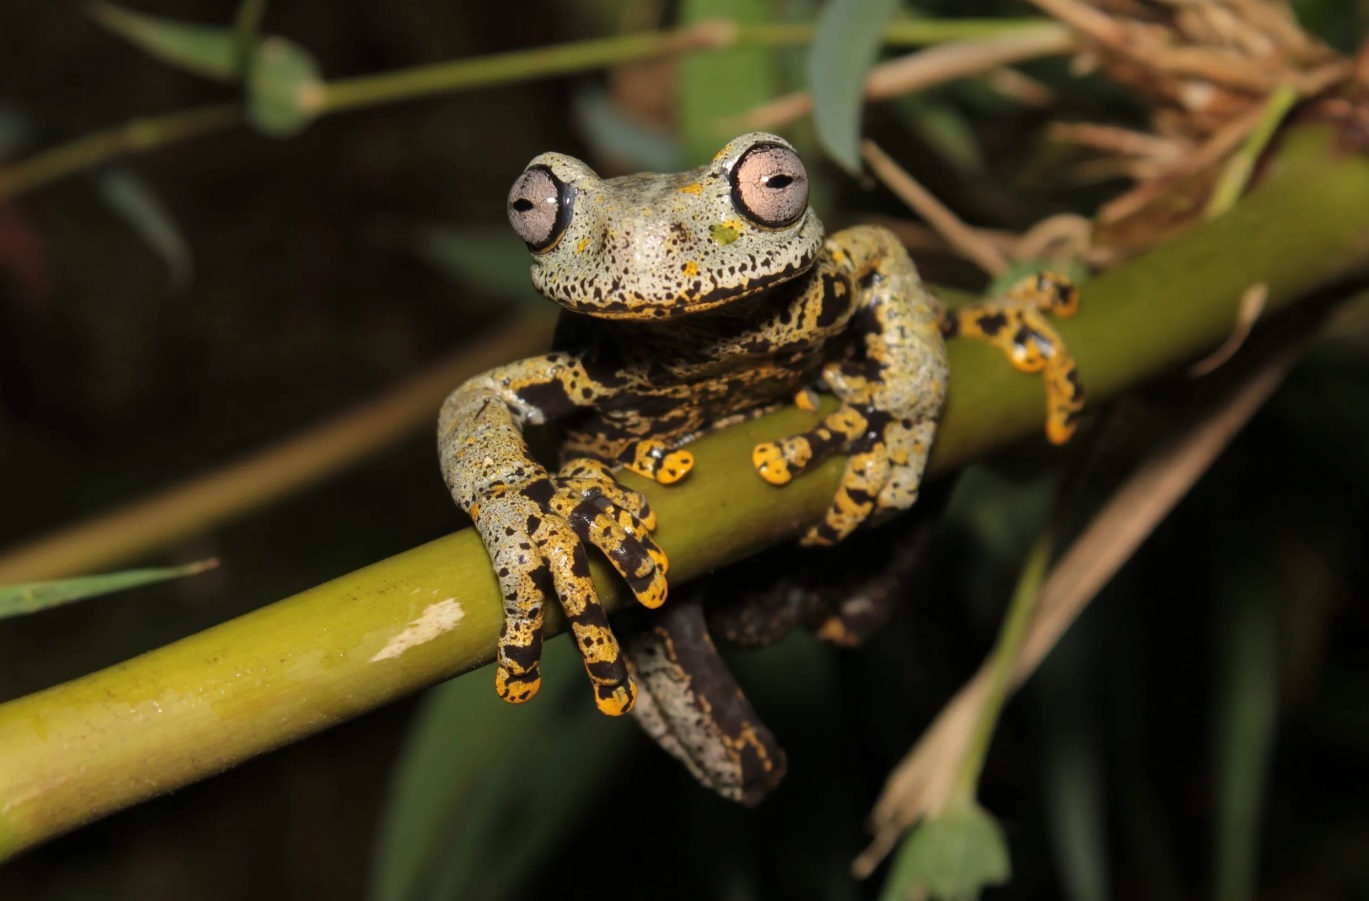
<point>1252,304</point>
<point>923,69</point>
<point>961,237</point>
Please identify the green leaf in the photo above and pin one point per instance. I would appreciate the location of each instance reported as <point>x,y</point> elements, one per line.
<point>477,772</point>
<point>491,260</point>
<point>716,86</point>
<point>1245,715</point>
<point>131,198</point>
<point>952,856</point>
<point>210,52</point>
<point>611,133</point>
<point>848,38</point>
<point>247,29</point>
<point>30,597</point>
<point>284,89</point>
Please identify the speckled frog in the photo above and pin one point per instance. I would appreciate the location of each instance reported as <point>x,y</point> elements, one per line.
<point>692,301</point>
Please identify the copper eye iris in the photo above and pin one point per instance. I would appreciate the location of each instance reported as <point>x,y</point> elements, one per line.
<point>770,185</point>
<point>539,207</point>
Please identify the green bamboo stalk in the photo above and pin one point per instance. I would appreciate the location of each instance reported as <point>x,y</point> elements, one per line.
<point>80,750</point>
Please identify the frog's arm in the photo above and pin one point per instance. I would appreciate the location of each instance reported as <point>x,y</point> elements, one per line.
<point>891,393</point>
<point>535,524</point>
<point>1016,325</point>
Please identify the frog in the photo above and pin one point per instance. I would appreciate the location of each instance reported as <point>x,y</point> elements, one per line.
<point>691,301</point>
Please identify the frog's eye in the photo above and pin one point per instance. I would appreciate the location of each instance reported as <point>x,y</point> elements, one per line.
<point>539,207</point>
<point>770,185</point>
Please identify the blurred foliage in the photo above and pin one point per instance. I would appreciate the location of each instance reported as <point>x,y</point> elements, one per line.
<point>1200,732</point>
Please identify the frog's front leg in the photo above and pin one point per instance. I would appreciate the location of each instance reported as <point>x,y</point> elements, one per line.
<point>891,394</point>
<point>1016,324</point>
<point>535,524</point>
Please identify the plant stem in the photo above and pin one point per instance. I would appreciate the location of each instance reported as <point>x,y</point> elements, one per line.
<point>137,136</point>
<point>152,133</point>
<point>1010,636</point>
<point>183,712</point>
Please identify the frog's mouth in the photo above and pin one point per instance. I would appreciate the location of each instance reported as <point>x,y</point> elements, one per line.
<point>620,302</point>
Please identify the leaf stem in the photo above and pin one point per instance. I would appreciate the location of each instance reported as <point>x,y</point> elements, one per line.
<point>152,133</point>
<point>136,136</point>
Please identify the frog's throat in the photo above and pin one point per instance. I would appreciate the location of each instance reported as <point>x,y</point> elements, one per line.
<point>627,306</point>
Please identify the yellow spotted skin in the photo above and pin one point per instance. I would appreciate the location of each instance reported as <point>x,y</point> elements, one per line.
<point>1016,324</point>
<point>684,313</point>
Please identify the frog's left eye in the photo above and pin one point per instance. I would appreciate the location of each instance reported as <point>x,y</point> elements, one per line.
<point>770,185</point>
<point>539,207</point>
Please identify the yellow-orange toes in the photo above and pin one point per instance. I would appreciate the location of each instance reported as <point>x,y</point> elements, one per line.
<point>615,700</point>
<point>654,460</point>
<point>659,558</point>
<point>654,594</point>
<point>675,466</point>
<point>515,688</point>
<point>770,464</point>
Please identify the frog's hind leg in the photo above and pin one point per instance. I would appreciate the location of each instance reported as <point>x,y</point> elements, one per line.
<point>841,595</point>
<point>1016,324</point>
<point>690,704</point>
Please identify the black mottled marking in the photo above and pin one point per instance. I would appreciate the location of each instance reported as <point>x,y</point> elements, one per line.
<point>525,657</point>
<point>539,491</point>
<point>860,496</point>
<point>991,323</point>
<point>533,522</point>
<point>549,397</point>
<point>836,300</point>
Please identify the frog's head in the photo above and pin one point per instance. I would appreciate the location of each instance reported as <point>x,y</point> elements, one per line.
<point>661,246</point>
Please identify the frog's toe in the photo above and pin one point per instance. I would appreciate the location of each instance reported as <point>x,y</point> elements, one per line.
<point>517,688</point>
<point>588,620</point>
<point>656,460</point>
<point>616,700</point>
<point>780,461</point>
<point>862,482</point>
<point>628,546</point>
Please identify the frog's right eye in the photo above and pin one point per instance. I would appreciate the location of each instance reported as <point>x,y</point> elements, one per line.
<point>539,207</point>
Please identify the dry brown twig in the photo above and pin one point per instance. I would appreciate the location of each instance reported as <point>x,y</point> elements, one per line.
<point>923,782</point>
<point>962,238</point>
<point>1205,70</point>
<point>923,69</point>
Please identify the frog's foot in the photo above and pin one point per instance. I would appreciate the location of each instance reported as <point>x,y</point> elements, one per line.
<point>657,461</point>
<point>886,457</point>
<point>1016,324</point>
<point>536,534</point>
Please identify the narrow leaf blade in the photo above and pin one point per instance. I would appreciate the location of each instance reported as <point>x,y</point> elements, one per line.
<point>30,597</point>
<point>848,38</point>
<point>136,203</point>
<point>208,52</point>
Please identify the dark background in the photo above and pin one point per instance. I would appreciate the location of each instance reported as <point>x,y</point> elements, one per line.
<point>309,294</point>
